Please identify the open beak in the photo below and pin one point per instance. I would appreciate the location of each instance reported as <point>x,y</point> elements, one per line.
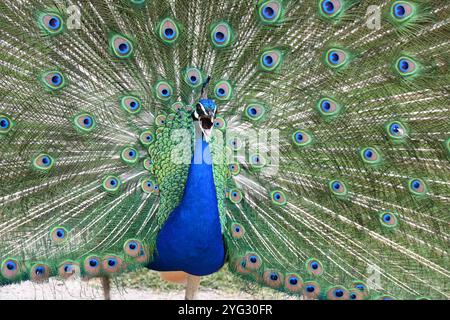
<point>207,124</point>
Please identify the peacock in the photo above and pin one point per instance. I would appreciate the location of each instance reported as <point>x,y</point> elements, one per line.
<point>302,144</point>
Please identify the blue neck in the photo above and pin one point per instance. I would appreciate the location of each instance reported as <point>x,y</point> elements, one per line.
<point>191,239</point>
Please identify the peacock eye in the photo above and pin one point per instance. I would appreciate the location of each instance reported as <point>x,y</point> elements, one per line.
<point>330,8</point>
<point>278,197</point>
<point>168,31</point>
<point>53,80</point>
<point>388,219</point>
<point>43,162</point>
<point>121,46</point>
<point>270,11</point>
<point>111,184</point>
<point>417,186</point>
<point>402,10</point>
<point>255,111</point>
<point>406,66</point>
<point>130,104</point>
<point>92,265</point>
<point>370,155</point>
<point>302,138</point>
<point>112,264</point>
<point>314,267</point>
<point>129,155</point>
<point>5,124</point>
<point>221,34</point>
<point>193,77</point>
<point>338,188</point>
<point>10,269</point>
<point>39,272</point>
<point>336,58</point>
<point>58,235</point>
<point>270,60</point>
<point>84,122</point>
<point>223,90</point>
<point>235,195</point>
<point>146,137</point>
<point>51,23</point>
<point>163,90</point>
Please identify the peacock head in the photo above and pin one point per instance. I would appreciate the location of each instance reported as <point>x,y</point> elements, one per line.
<point>205,112</point>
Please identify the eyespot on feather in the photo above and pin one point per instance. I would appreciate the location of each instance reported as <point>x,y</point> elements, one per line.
<point>293,283</point>
<point>6,124</point>
<point>273,278</point>
<point>337,293</point>
<point>130,155</point>
<point>68,268</point>
<point>270,11</point>
<point>270,60</point>
<point>43,162</point>
<point>111,184</point>
<point>278,197</point>
<point>168,31</point>
<point>59,235</point>
<point>10,268</point>
<point>314,267</point>
<point>39,272</point>
<point>302,138</point>
<point>51,23</point>
<point>163,91</point>
<point>237,230</point>
<point>92,265</point>
<point>84,122</point>
<point>112,264</point>
<point>311,290</point>
<point>330,9</point>
<point>121,46</point>
<point>338,188</point>
<point>221,35</point>
<point>235,195</point>
<point>131,104</point>
<point>53,80</point>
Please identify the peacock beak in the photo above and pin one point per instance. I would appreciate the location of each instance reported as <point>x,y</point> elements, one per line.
<point>207,124</point>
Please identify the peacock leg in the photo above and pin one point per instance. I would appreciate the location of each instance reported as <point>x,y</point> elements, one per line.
<point>106,285</point>
<point>192,285</point>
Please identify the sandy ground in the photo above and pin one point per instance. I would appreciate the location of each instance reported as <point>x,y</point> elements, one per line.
<point>56,289</point>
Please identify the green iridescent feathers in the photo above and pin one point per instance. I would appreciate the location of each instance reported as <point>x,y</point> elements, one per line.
<point>347,198</point>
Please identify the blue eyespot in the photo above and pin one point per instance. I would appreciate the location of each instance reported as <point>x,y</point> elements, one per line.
<point>93,263</point>
<point>219,37</point>
<point>237,229</point>
<point>112,262</point>
<point>333,57</point>
<point>339,293</point>
<point>273,276</point>
<point>11,266</point>
<point>293,281</point>
<point>399,10</point>
<point>253,259</point>
<point>403,65</point>
<point>310,289</point>
<point>4,123</point>
<point>169,33</point>
<point>268,12</point>
<point>54,23</point>
<point>328,7</point>
<point>56,80</point>
<point>221,92</point>
<point>336,186</point>
<point>39,270</point>
<point>268,60</point>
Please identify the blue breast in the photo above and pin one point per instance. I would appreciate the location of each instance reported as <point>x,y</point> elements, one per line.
<point>191,239</point>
